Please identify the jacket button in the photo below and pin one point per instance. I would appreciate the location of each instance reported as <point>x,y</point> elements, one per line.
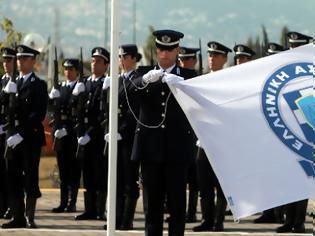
<point>163,104</point>
<point>162,93</point>
<point>162,114</point>
<point>162,126</point>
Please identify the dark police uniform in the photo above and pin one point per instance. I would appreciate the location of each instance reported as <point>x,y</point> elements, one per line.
<point>68,164</point>
<point>213,212</point>
<point>31,106</point>
<point>295,212</point>
<point>127,170</point>
<point>6,53</point>
<point>94,164</point>
<point>165,151</point>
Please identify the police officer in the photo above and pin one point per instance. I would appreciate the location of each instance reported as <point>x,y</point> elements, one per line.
<point>65,138</point>
<point>243,54</point>
<point>188,59</point>
<point>93,162</point>
<point>295,212</point>
<point>8,55</point>
<point>26,142</point>
<point>212,212</point>
<point>127,170</point>
<point>163,139</point>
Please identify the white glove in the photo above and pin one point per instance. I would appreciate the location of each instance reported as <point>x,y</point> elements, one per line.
<point>198,143</point>
<point>171,79</point>
<point>60,133</point>
<point>106,137</point>
<point>10,87</point>
<point>79,88</point>
<point>54,93</point>
<point>83,140</point>
<point>1,129</point>
<point>14,140</point>
<point>106,83</point>
<point>152,76</point>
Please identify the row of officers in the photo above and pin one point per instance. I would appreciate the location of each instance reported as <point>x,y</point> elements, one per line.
<point>154,139</point>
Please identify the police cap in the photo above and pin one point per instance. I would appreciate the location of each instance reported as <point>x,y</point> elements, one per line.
<point>218,48</point>
<point>8,52</point>
<point>298,38</point>
<point>101,52</point>
<point>243,50</point>
<point>186,52</point>
<point>273,48</point>
<point>71,62</point>
<point>25,51</point>
<point>129,49</point>
<point>167,39</point>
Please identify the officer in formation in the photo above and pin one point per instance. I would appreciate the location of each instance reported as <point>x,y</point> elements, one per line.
<point>164,139</point>
<point>243,54</point>
<point>90,135</point>
<point>25,138</point>
<point>213,212</point>
<point>8,56</point>
<point>188,59</point>
<point>295,212</point>
<point>65,141</point>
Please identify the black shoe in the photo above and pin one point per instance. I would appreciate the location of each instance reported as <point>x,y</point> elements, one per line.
<point>86,216</point>
<point>228,213</point>
<point>31,225</point>
<point>71,208</point>
<point>284,229</point>
<point>59,209</point>
<point>191,219</point>
<point>265,220</point>
<point>167,219</point>
<point>299,229</point>
<point>218,227</point>
<point>21,223</point>
<point>204,226</point>
<point>126,227</point>
<point>102,217</point>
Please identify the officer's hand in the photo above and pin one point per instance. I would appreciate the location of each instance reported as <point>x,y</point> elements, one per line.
<point>106,137</point>
<point>83,140</point>
<point>60,133</point>
<point>106,83</point>
<point>1,129</point>
<point>14,140</point>
<point>152,76</point>
<point>10,87</point>
<point>54,93</point>
<point>198,143</point>
<point>79,88</point>
<point>171,79</point>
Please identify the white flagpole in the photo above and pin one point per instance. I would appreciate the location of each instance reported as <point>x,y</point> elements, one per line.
<point>113,109</point>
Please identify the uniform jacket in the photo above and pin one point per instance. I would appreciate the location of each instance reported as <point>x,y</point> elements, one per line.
<point>31,110</point>
<point>173,140</point>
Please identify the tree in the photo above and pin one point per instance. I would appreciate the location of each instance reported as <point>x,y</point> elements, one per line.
<point>265,41</point>
<point>11,35</point>
<point>283,36</point>
<point>149,48</point>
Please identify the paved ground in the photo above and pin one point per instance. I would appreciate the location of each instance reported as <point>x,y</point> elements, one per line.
<point>52,224</point>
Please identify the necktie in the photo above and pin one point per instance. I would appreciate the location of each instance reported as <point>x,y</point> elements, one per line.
<point>20,82</point>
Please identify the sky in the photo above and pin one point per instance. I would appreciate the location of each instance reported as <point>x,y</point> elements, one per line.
<point>82,22</point>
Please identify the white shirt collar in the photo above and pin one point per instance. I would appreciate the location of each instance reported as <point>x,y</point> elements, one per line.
<point>26,77</point>
<point>168,70</point>
<point>71,83</point>
<point>127,74</point>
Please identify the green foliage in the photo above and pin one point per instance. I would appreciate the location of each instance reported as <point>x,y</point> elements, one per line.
<point>11,35</point>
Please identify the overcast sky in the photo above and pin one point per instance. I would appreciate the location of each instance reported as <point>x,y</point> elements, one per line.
<point>82,22</point>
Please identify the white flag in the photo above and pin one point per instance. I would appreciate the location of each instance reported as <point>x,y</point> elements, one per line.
<point>256,123</point>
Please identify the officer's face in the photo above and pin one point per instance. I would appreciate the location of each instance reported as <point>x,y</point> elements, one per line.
<point>167,58</point>
<point>7,64</point>
<point>98,66</point>
<point>25,64</point>
<point>242,59</point>
<point>216,61</point>
<point>127,62</point>
<point>71,73</point>
<point>188,63</point>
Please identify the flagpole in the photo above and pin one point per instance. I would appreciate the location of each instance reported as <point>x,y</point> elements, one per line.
<point>113,109</point>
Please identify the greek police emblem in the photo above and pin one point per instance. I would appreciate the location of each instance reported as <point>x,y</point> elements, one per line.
<point>289,108</point>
